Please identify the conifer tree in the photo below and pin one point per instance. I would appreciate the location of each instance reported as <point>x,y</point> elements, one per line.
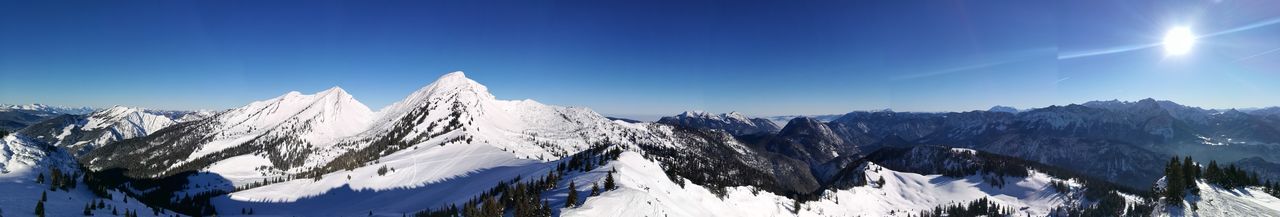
<point>1189,170</point>
<point>1174,186</point>
<point>595,189</point>
<point>491,208</point>
<point>1190,173</point>
<point>546,208</point>
<point>40,208</point>
<point>573,196</point>
<point>44,196</point>
<point>1211,173</point>
<point>609,184</point>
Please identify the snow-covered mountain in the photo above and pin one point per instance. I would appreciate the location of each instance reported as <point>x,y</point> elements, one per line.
<point>82,133</point>
<point>286,128</point>
<point>456,121</point>
<point>307,146</point>
<point>733,122</point>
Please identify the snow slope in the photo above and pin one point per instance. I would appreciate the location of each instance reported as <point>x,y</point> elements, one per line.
<point>1216,201</point>
<point>646,191</point>
<point>21,161</point>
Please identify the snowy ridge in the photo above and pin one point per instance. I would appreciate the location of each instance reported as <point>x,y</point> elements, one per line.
<point>125,123</point>
<point>733,122</point>
<point>317,120</point>
<point>457,107</point>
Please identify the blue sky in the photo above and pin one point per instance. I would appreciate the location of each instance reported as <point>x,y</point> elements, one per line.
<point>643,57</point>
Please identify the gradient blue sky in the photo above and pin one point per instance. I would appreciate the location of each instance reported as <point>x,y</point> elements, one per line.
<point>642,57</point>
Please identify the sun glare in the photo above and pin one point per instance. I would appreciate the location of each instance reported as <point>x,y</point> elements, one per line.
<point>1178,41</point>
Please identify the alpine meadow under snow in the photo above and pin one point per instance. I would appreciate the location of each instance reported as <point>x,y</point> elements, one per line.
<point>452,148</point>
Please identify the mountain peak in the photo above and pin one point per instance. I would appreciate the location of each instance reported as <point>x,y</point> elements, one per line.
<point>1000,108</point>
<point>453,87</point>
<point>334,89</point>
<point>735,114</point>
<point>694,113</point>
<point>802,123</point>
<point>454,74</point>
<point>457,82</point>
<point>116,109</point>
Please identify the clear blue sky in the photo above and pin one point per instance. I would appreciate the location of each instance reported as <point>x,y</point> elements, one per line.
<point>643,57</point>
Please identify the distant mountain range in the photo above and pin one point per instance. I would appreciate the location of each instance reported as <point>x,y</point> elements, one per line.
<point>733,122</point>
<point>16,117</point>
<point>452,148</point>
<point>1111,139</point>
<point>49,109</point>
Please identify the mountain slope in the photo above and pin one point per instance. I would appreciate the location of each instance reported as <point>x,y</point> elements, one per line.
<point>809,140</point>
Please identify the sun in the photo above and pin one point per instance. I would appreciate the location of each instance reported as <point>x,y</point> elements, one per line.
<point>1178,41</point>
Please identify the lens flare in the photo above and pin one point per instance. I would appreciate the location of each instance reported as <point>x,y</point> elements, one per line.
<point>1178,41</point>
